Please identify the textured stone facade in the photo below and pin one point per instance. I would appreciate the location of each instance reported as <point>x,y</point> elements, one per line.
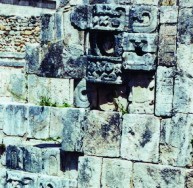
<point>96,93</point>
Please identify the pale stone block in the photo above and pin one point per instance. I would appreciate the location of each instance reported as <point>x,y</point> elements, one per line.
<point>176,137</point>
<point>2,108</point>
<point>168,14</point>
<point>150,175</point>
<point>72,129</point>
<point>168,2</point>
<point>19,178</point>
<point>9,140</point>
<point>51,161</point>
<point>39,122</point>
<point>2,177</point>
<point>15,120</point>
<point>164,91</point>
<point>186,3</point>
<point>116,173</point>
<point>89,172</point>
<point>140,138</point>
<point>148,2</point>
<point>102,134</point>
<point>141,96</point>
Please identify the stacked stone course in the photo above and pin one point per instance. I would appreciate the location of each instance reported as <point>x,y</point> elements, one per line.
<point>100,97</point>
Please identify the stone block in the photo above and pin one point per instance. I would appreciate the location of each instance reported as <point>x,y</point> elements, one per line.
<point>39,122</point>
<point>148,2</point>
<point>189,179</point>
<point>168,14</point>
<point>167,45</point>
<point>47,28</point>
<point>15,120</point>
<point>150,175</point>
<point>59,24</point>
<point>175,143</point>
<point>182,102</point>
<point>19,179</point>
<point>185,25</point>
<point>32,159</point>
<point>141,93</point>
<point>51,161</point>
<point>116,173</point>
<point>2,108</point>
<point>33,57</point>
<point>185,3</point>
<point>168,2</point>
<point>14,158</point>
<point>144,18</point>
<point>73,129</point>
<point>89,172</point>
<point>164,91</point>
<point>2,177</point>
<point>102,134</point>
<point>140,138</point>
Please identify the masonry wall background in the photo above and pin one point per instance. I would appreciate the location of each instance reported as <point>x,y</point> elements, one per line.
<point>90,98</point>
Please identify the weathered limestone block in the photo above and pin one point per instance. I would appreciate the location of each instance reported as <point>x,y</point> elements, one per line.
<point>140,138</point>
<point>167,45</point>
<point>15,120</point>
<point>141,96</point>
<point>51,161</point>
<point>14,158</point>
<point>185,3</point>
<point>20,179</point>
<point>143,19</point>
<point>47,28</point>
<point>116,173</point>
<point>185,54</point>
<point>164,91</point>
<point>73,129</point>
<point>102,134</point>
<point>189,179</point>
<point>185,25</point>
<point>33,57</point>
<point>168,2</point>
<point>2,177</point>
<point>32,159</point>
<point>149,175</point>
<point>112,98</point>
<point>182,102</point>
<point>176,137</point>
<point>148,2</point>
<point>168,14</point>
<point>39,122</point>
<point>89,172</point>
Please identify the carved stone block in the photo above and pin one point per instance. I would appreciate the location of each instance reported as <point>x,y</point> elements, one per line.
<point>89,172</point>
<point>39,122</point>
<point>167,45</point>
<point>73,129</point>
<point>14,158</point>
<point>141,93</point>
<point>116,173</point>
<point>140,138</point>
<point>143,19</point>
<point>185,26</point>
<point>164,91</point>
<point>15,120</point>
<point>20,179</point>
<point>104,71</point>
<point>102,134</point>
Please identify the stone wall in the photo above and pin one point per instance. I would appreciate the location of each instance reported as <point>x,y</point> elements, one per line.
<point>103,98</point>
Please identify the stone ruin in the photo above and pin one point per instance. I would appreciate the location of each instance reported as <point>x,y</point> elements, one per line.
<point>96,94</point>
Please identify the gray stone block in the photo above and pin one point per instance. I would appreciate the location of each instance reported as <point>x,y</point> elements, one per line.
<point>164,91</point>
<point>102,134</point>
<point>15,120</point>
<point>116,173</point>
<point>89,172</point>
<point>73,129</point>
<point>176,137</point>
<point>168,14</point>
<point>140,138</point>
<point>39,122</point>
<point>149,175</point>
<point>185,3</point>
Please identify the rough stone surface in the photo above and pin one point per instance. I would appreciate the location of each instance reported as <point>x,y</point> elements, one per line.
<point>149,175</point>
<point>89,172</point>
<point>140,138</point>
<point>102,134</point>
<point>116,173</point>
<point>168,14</point>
